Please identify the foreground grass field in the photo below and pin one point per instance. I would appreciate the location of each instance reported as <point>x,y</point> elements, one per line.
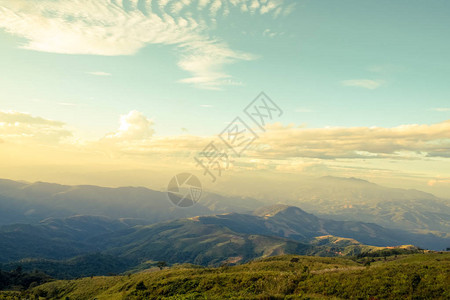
<point>417,276</point>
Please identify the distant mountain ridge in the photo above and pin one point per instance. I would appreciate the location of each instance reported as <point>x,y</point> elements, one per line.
<point>31,202</point>
<point>360,200</point>
<point>330,197</point>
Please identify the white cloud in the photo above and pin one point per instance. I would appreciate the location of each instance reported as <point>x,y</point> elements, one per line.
<point>214,8</point>
<point>133,126</point>
<point>99,73</point>
<point>177,7</point>
<point>202,3</point>
<point>103,27</point>
<point>363,83</point>
<point>268,7</point>
<point>254,5</point>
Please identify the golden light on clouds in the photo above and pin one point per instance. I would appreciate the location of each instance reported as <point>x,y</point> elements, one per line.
<point>31,141</point>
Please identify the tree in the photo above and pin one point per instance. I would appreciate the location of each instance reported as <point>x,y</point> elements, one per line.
<point>141,286</point>
<point>415,282</point>
<point>18,270</point>
<point>161,264</point>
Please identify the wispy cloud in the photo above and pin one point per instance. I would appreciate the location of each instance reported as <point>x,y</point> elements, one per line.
<point>303,110</point>
<point>363,83</point>
<point>441,109</point>
<point>21,127</point>
<point>204,59</point>
<point>104,27</point>
<point>99,73</point>
<point>269,33</point>
<point>438,181</point>
<point>403,142</point>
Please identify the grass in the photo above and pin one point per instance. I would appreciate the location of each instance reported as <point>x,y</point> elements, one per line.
<point>415,276</point>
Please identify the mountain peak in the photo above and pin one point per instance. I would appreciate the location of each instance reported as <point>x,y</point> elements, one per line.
<point>345,179</point>
<point>270,211</point>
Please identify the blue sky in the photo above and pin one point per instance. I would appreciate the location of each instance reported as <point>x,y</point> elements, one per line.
<point>316,47</point>
<point>191,66</point>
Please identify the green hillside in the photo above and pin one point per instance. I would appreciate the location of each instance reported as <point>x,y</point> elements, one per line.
<point>190,241</point>
<point>417,276</point>
<point>95,264</point>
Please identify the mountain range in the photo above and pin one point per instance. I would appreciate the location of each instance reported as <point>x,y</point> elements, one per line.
<point>330,197</point>
<point>360,200</point>
<point>72,231</point>
<point>204,240</point>
<point>22,202</point>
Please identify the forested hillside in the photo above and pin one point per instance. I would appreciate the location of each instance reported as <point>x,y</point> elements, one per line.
<point>417,276</point>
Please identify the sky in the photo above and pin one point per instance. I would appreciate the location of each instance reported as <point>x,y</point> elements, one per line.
<point>128,92</point>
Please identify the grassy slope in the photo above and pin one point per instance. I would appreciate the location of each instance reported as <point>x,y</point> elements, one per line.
<point>315,277</point>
